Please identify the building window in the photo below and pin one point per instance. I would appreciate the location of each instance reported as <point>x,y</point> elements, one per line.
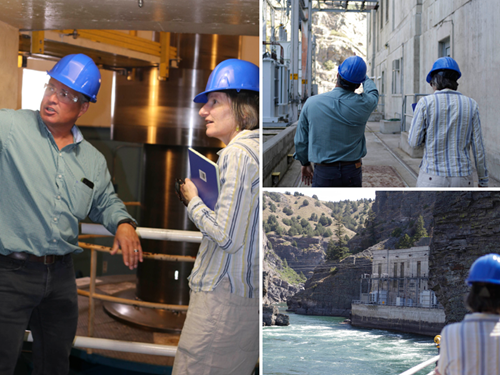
<point>402,272</point>
<point>382,84</point>
<point>379,270</point>
<point>386,10</point>
<point>419,267</point>
<point>444,48</point>
<point>395,282</point>
<point>381,15</point>
<point>396,76</point>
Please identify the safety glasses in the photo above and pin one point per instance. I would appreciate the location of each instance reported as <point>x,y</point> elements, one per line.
<point>63,95</point>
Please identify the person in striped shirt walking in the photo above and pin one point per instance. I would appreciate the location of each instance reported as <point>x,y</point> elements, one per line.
<point>221,332</point>
<point>472,347</point>
<point>447,124</point>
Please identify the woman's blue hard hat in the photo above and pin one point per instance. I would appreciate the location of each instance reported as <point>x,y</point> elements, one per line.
<point>485,269</point>
<point>444,63</point>
<point>78,72</point>
<point>232,74</point>
<point>353,70</point>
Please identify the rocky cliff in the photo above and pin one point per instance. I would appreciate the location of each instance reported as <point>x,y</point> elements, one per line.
<point>393,210</point>
<point>466,226</point>
<point>333,286</point>
<point>302,254</point>
<point>276,290</point>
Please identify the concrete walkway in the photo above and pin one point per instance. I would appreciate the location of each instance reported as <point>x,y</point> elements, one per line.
<point>391,166</point>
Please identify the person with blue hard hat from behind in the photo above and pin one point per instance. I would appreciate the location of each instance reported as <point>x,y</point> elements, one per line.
<point>51,178</point>
<point>447,124</point>
<point>221,331</point>
<point>331,129</point>
<point>472,347</point>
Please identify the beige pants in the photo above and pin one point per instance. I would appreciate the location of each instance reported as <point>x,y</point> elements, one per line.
<point>220,335</point>
<point>431,180</point>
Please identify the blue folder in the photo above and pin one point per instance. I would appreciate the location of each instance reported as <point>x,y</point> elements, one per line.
<point>413,106</point>
<point>205,175</point>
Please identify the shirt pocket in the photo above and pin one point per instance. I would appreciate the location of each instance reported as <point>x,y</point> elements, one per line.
<point>80,200</point>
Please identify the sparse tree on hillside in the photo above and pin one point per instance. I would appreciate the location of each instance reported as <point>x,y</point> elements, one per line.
<point>317,204</point>
<point>305,203</point>
<point>337,249</point>
<point>315,196</point>
<point>420,230</point>
<point>405,242</point>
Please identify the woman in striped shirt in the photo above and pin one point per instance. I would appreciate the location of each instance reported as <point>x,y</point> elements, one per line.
<point>221,331</point>
<point>447,124</point>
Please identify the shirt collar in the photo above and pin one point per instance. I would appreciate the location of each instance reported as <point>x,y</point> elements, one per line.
<point>244,134</point>
<point>77,134</point>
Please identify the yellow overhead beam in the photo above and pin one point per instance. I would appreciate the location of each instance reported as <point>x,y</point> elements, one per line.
<point>120,39</point>
<point>164,56</point>
<point>37,38</point>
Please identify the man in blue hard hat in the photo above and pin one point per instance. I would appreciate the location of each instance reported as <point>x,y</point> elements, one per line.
<point>472,346</point>
<point>51,178</point>
<point>447,124</point>
<point>331,129</point>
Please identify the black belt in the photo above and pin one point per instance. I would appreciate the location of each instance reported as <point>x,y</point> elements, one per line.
<point>46,259</point>
<point>339,163</point>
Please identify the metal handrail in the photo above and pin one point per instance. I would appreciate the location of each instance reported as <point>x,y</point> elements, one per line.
<point>421,366</point>
<point>403,111</point>
<point>146,233</point>
<point>117,345</point>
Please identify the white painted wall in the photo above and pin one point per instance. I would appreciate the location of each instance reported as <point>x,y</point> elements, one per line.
<point>418,26</point>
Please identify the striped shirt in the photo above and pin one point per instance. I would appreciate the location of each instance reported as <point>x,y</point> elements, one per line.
<point>469,348</point>
<point>230,245</point>
<point>447,122</point>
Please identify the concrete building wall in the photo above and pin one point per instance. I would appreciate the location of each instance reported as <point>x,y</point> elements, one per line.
<point>407,319</point>
<point>9,45</point>
<point>413,32</point>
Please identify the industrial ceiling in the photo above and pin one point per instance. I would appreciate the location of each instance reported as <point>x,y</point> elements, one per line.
<point>223,17</point>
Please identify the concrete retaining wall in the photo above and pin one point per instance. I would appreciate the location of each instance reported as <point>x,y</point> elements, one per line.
<point>275,153</point>
<point>422,321</point>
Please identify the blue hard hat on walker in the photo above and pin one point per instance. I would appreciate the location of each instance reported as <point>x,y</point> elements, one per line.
<point>232,74</point>
<point>353,70</point>
<point>443,63</point>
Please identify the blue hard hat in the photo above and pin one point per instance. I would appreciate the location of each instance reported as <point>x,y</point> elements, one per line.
<point>232,74</point>
<point>485,270</point>
<point>78,72</point>
<point>353,70</point>
<point>444,63</point>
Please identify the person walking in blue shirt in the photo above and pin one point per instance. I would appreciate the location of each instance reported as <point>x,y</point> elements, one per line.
<point>447,124</point>
<point>331,129</point>
<point>51,178</point>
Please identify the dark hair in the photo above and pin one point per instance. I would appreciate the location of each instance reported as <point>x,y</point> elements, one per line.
<point>444,79</point>
<point>484,297</point>
<point>346,84</point>
<point>245,108</point>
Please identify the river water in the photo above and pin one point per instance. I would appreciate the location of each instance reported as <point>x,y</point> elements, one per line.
<point>317,345</point>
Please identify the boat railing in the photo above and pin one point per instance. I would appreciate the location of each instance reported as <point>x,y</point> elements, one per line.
<point>421,366</point>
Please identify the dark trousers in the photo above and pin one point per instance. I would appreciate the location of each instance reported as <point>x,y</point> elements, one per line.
<point>335,175</point>
<point>43,297</point>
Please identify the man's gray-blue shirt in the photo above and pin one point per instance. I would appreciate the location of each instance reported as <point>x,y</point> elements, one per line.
<point>42,196</point>
<point>332,125</point>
